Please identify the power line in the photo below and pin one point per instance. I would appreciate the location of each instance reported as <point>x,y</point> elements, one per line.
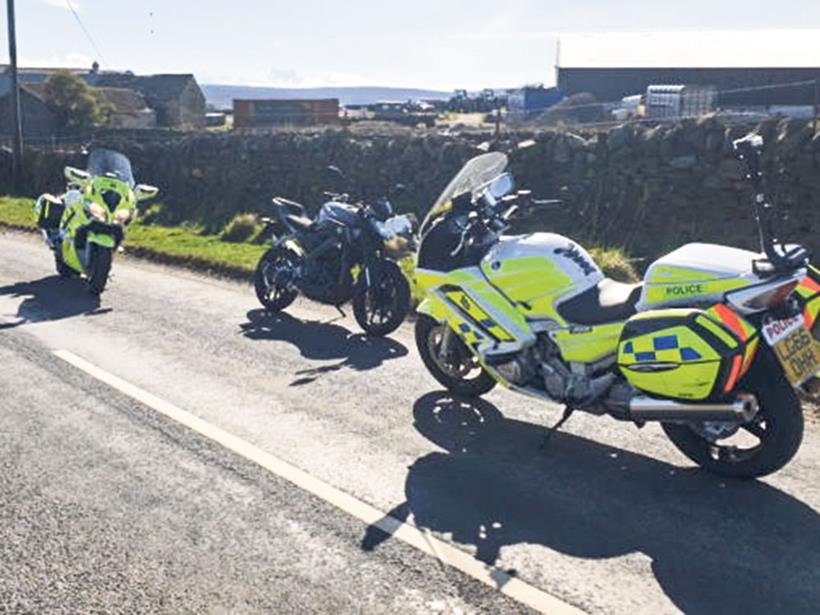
<point>85,31</point>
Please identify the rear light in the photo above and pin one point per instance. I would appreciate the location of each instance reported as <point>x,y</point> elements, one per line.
<point>773,297</point>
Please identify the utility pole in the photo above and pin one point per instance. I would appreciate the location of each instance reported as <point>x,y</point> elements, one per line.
<point>17,169</point>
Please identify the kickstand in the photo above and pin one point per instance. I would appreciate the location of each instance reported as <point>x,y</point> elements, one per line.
<point>568,412</point>
<point>340,310</point>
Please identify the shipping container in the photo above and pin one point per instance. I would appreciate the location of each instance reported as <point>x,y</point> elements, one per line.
<point>533,99</point>
<point>269,113</point>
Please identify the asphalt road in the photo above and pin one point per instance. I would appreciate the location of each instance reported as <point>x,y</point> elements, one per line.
<point>109,506</point>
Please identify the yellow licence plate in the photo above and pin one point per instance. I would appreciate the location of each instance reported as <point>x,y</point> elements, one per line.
<point>795,346</point>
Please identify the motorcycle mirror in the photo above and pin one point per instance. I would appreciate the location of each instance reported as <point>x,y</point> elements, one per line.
<point>336,173</point>
<point>143,192</point>
<point>501,186</point>
<point>76,176</point>
<point>337,177</point>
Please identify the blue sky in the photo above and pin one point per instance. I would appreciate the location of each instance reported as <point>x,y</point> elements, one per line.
<point>441,44</point>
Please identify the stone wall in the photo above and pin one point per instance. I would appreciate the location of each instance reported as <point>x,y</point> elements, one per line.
<point>644,188</point>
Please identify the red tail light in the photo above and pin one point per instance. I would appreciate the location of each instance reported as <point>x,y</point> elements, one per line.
<point>774,297</point>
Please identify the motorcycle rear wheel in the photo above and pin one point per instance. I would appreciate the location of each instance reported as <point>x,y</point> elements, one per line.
<point>382,308</point>
<point>273,297</point>
<point>778,428</point>
<point>459,372</point>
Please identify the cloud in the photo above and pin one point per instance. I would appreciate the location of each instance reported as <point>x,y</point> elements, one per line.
<point>62,4</point>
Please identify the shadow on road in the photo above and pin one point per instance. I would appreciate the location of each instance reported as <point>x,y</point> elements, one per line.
<point>715,546</point>
<point>51,298</point>
<point>322,341</point>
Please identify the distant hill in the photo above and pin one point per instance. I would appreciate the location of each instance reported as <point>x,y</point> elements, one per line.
<point>221,96</point>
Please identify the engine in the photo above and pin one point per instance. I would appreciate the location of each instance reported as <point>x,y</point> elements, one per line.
<point>322,278</point>
<point>541,367</point>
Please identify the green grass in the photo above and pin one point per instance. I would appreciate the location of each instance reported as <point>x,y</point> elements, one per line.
<point>188,244</point>
<point>181,243</point>
<point>16,211</point>
<point>616,264</point>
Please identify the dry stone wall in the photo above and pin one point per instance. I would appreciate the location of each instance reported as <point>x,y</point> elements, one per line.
<point>644,188</point>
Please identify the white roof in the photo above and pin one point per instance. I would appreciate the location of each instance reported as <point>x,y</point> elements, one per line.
<point>692,49</point>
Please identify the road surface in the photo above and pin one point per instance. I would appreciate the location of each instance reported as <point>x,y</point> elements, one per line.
<point>149,444</point>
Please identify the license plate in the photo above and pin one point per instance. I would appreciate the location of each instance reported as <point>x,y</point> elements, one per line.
<point>795,346</point>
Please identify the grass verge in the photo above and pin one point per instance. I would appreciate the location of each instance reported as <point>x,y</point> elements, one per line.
<point>179,245</point>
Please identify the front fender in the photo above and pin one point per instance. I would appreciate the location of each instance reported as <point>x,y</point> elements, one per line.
<point>102,239</point>
<point>433,307</point>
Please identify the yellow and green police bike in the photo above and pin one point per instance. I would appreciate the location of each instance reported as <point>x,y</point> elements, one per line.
<point>86,225</point>
<point>713,344</point>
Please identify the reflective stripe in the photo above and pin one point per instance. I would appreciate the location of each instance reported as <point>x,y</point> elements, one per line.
<point>732,320</point>
<point>733,378</point>
<point>751,352</point>
<point>717,330</point>
<point>810,284</point>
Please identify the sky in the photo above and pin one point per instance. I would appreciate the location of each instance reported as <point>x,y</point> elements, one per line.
<point>434,44</point>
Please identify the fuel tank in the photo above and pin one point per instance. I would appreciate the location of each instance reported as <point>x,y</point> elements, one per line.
<point>539,271</point>
<point>697,273</point>
<point>338,213</point>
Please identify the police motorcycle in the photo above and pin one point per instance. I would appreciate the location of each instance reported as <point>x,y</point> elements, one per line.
<point>712,344</point>
<point>348,252</point>
<point>86,225</point>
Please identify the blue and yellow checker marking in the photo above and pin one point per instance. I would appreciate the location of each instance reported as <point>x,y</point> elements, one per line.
<point>664,349</point>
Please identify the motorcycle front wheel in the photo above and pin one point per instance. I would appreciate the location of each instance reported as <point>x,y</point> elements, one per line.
<point>99,269</point>
<point>454,367</point>
<point>63,270</point>
<point>753,450</point>
<point>272,292</point>
<point>381,307</point>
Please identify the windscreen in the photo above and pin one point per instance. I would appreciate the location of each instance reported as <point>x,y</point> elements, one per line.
<point>107,163</point>
<point>476,173</point>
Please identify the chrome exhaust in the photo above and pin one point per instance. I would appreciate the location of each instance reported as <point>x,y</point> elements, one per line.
<point>742,410</point>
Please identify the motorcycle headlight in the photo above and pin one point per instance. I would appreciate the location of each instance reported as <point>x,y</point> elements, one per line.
<point>397,244</point>
<point>96,211</point>
<point>123,216</point>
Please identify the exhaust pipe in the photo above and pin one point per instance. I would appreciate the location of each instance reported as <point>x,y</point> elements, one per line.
<point>742,410</point>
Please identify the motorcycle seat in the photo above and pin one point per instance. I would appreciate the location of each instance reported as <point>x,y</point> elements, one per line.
<point>608,302</point>
<point>291,208</point>
<point>300,222</point>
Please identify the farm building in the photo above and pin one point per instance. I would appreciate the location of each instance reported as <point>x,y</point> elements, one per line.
<point>36,116</point>
<point>748,69</point>
<point>177,100</point>
<point>270,113</point>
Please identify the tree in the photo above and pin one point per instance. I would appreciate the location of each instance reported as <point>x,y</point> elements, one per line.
<point>77,105</point>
